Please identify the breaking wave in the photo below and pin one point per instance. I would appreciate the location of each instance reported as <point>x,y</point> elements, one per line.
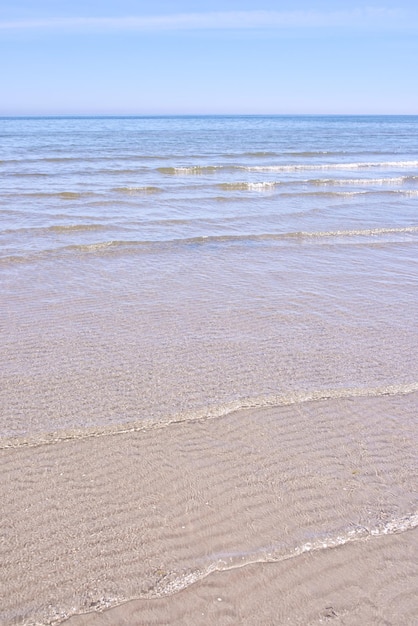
<point>244,186</point>
<point>212,412</point>
<point>133,191</point>
<point>115,246</point>
<point>173,582</point>
<point>295,167</point>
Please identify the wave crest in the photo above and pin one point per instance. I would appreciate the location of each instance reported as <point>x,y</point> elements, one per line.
<point>214,412</point>
<point>133,191</point>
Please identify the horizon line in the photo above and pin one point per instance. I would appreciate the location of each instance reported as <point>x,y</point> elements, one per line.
<point>159,115</point>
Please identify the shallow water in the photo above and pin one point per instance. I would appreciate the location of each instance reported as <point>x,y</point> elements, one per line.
<point>146,514</point>
<point>164,270</point>
<point>157,266</point>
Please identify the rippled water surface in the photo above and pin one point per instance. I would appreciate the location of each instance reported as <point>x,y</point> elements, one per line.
<point>236,297</point>
<point>157,266</point>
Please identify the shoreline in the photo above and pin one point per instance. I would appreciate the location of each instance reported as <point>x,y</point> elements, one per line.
<point>284,399</point>
<point>93,523</point>
<point>367,590</point>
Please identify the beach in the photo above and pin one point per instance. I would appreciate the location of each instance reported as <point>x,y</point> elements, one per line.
<point>255,510</point>
<point>209,382</point>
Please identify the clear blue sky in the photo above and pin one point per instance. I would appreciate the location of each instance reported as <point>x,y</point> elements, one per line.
<point>183,57</point>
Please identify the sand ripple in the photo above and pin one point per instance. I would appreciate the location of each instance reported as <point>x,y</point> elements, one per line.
<point>93,523</point>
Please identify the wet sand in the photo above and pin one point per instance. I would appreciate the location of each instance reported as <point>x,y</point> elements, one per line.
<point>294,514</point>
<point>372,582</point>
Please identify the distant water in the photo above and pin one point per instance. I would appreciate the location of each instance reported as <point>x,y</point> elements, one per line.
<point>174,267</point>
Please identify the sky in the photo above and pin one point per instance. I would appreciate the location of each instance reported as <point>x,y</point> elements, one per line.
<point>179,57</point>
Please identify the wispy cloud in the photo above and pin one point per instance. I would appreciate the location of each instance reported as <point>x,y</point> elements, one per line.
<point>235,20</point>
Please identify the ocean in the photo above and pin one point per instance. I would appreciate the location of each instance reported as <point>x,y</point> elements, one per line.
<point>164,273</point>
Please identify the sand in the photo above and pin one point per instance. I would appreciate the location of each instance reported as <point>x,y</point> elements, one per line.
<point>371,582</point>
<point>297,514</point>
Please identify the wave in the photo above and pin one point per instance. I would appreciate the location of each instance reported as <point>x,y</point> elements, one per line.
<point>244,186</point>
<point>365,232</point>
<point>84,158</point>
<point>57,228</point>
<point>132,191</point>
<point>315,153</point>
<point>329,194</point>
<point>363,192</point>
<point>193,170</point>
<point>76,228</point>
<point>64,195</point>
<point>72,195</point>
<point>317,182</point>
<point>348,194</point>
<point>27,174</point>
<point>172,582</point>
<point>397,180</point>
<point>295,167</point>
<point>271,186</point>
<point>116,157</point>
<point>212,412</point>
<point>115,246</point>
<point>328,166</point>
<point>117,171</point>
<point>413,193</point>
<point>256,153</point>
<point>256,187</point>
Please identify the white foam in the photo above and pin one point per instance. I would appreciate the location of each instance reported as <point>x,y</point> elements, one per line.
<point>247,186</point>
<point>214,412</point>
<point>413,193</point>
<point>397,180</point>
<point>173,583</point>
<point>137,190</point>
<point>328,166</point>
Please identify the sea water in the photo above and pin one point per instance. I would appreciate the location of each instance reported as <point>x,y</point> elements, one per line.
<point>154,268</point>
<point>209,356</point>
